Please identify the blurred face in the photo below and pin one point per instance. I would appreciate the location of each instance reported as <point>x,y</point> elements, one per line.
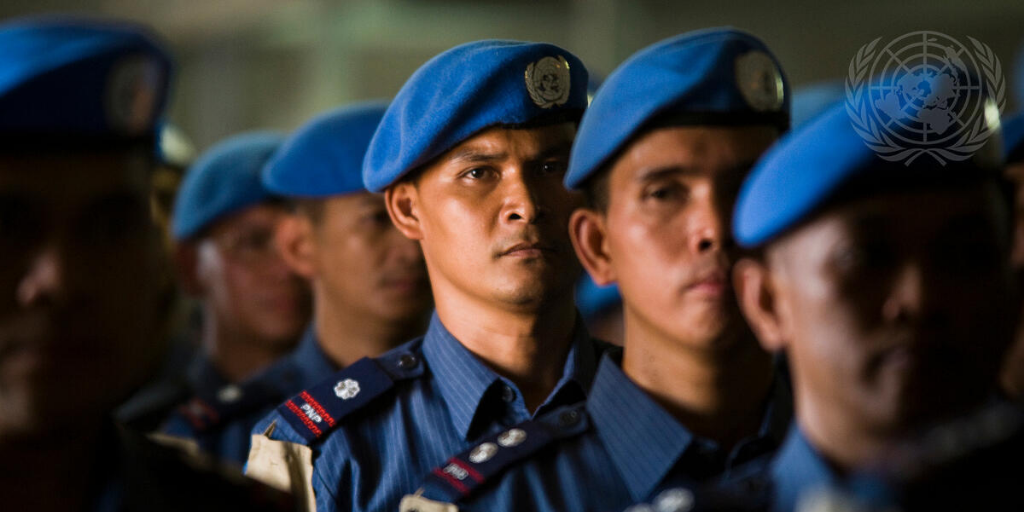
<point>243,278</point>
<point>895,309</point>
<point>78,283</point>
<point>365,264</point>
<point>666,229</point>
<point>492,217</point>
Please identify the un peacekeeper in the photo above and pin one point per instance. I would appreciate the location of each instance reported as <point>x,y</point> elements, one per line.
<point>887,284</point>
<point>370,289</point>
<point>470,156</point>
<point>253,305</point>
<point>79,101</point>
<point>661,152</point>
<point>1013,152</point>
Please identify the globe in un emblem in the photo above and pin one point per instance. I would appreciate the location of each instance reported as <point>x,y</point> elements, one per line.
<point>927,89</point>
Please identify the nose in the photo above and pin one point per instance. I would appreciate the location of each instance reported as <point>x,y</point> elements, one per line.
<point>906,295</point>
<point>44,279</point>
<point>705,226</point>
<point>522,199</point>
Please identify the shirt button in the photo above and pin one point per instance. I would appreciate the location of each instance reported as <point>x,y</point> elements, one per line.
<point>407,361</point>
<point>569,418</point>
<point>508,394</point>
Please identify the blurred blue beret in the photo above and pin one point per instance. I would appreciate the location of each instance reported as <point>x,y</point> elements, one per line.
<point>811,164</point>
<point>592,299</point>
<point>813,99</point>
<point>325,156</point>
<point>464,90</point>
<point>224,180</point>
<point>1013,139</point>
<point>713,76</point>
<point>81,77</point>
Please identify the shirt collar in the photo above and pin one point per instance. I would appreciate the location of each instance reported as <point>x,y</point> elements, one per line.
<point>464,381</point>
<point>311,359</point>
<point>796,469</point>
<point>643,440</point>
<point>203,378</point>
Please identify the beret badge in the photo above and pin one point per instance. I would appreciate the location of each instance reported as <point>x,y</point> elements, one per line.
<point>759,81</point>
<point>547,81</point>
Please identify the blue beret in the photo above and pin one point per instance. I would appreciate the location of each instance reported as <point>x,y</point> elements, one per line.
<point>325,156</point>
<point>706,77</point>
<point>811,100</point>
<point>808,166</point>
<point>67,76</point>
<point>224,180</point>
<point>464,90</point>
<point>1013,139</point>
<point>592,299</point>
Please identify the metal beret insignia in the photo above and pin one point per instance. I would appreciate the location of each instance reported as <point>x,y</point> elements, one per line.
<point>132,90</point>
<point>759,81</point>
<point>547,81</point>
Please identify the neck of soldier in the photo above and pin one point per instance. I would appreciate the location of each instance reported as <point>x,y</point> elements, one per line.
<point>347,334</point>
<point>236,355</point>
<point>717,388</point>
<point>527,344</point>
<point>36,464</point>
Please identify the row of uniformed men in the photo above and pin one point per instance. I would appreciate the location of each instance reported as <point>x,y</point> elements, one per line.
<point>506,402</point>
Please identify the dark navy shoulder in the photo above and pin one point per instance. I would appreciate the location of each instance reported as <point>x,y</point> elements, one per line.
<point>314,412</point>
<point>461,474</point>
<point>208,410</point>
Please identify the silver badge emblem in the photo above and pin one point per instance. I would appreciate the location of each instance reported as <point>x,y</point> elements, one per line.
<point>547,81</point>
<point>230,393</point>
<point>759,81</point>
<point>512,437</point>
<point>346,389</point>
<point>674,500</point>
<point>483,453</point>
<point>131,95</point>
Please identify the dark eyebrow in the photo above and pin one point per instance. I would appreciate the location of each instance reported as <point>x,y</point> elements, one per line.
<point>473,155</point>
<point>656,173</point>
<point>553,151</point>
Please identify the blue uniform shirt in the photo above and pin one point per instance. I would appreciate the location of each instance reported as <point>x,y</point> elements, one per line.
<point>420,403</point>
<point>797,469</point>
<point>631,449</point>
<point>221,416</point>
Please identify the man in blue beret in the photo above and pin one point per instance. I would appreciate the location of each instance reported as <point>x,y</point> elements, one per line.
<point>888,284</point>
<point>253,306</point>
<point>370,291</point>
<point>470,156</point>
<point>660,153</point>
<point>79,101</point>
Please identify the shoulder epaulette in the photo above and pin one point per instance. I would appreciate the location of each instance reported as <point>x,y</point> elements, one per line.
<point>206,411</point>
<point>315,412</point>
<point>461,474</point>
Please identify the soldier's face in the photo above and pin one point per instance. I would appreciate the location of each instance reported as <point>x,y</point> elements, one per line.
<point>365,264</point>
<point>895,309</point>
<point>78,282</point>
<point>666,230</point>
<point>492,217</point>
<point>248,287</point>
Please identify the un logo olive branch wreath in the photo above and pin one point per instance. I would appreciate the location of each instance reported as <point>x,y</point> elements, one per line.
<point>859,108</point>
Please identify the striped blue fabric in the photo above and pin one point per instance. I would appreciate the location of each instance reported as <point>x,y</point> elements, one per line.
<point>796,469</point>
<point>378,454</point>
<point>229,439</point>
<point>633,450</point>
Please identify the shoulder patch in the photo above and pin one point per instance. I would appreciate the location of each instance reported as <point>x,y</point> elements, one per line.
<point>461,474</point>
<point>205,412</point>
<point>314,412</point>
